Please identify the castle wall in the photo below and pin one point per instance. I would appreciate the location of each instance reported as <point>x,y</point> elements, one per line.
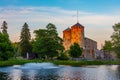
<point>76,35</point>
<point>90,44</point>
<point>90,48</point>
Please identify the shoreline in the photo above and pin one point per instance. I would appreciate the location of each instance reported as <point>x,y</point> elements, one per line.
<point>58,62</point>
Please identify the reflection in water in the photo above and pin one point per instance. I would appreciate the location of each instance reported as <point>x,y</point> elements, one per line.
<point>48,71</point>
<point>15,74</point>
<point>71,73</point>
<point>32,74</point>
<point>3,76</point>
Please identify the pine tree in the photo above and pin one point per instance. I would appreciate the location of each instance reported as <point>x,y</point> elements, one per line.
<point>4,27</point>
<point>6,47</point>
<point>25,37</point>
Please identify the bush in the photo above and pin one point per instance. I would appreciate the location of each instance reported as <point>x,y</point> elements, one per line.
<point>75,51</point>
<point>63,56</point>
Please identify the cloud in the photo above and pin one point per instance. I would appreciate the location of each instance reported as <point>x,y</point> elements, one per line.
<point>96,25</point>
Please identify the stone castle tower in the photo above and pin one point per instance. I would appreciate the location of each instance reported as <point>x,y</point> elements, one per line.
<point>72,35</point>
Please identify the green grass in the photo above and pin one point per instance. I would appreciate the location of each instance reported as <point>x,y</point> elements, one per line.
<point>83,63</point>
<point>57,62</point>
<point>16,62</point>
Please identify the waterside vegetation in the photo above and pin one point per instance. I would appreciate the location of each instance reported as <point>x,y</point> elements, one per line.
<point>58,62</point>
<point>47,45</point>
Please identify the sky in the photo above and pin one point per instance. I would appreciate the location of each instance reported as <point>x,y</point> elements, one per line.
<point>97,16</point>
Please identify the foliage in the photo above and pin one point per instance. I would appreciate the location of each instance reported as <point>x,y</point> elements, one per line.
<point>117,50</point>
<point>75,51</point>
<point>47,44</point>
<point>58,62</point>
<point>25,40</point>
<point>41,33</point>
<point>45,47</point>
<point>116,35</point>
<point>16,49</point>
<point>63,56</point>
<point>52,32</point>
<point>82,63</point>
<point>6,48</point>
<point>108,46</point>
<point>116,39</point>
<point>4,27</point>
<point>16,62</point>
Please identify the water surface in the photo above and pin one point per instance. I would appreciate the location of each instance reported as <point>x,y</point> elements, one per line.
<point>48,71</point>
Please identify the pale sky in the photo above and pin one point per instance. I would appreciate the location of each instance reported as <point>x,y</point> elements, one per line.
<point>97,16</point>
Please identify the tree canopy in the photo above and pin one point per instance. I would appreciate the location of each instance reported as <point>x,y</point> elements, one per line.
<point>108,46</point>
<point>116,38</point>
<point>116,35</point>
<point>47,42</point>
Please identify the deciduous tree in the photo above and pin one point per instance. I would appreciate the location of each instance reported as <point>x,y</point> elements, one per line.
<point>6,48</point>
<point>75,51</point>
<point>116,38</point>
<point>47,42</point>
<point>108,46</point>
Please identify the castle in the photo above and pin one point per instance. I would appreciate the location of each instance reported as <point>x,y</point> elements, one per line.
<point>75,34</point>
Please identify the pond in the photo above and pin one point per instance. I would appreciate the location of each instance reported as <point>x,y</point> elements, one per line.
<point>48,71</point>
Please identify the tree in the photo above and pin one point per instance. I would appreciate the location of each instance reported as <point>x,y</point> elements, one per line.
<point>63,56</point>
<point>6,48</point>
<point>116,35</point>
<point>47,42</point>
<point>117,50</point>
<point>52,30</point>
<point>116,38</point>
<point>75,51</point>
<point>108,46</point>
<point>4,27</point>
<point>41,33</point>
<point>25,40</point>
<point>16,49</point>
<point>46,48</point>
<point>52,33</point>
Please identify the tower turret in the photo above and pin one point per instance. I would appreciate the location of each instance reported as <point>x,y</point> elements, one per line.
<point>77,34</point>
